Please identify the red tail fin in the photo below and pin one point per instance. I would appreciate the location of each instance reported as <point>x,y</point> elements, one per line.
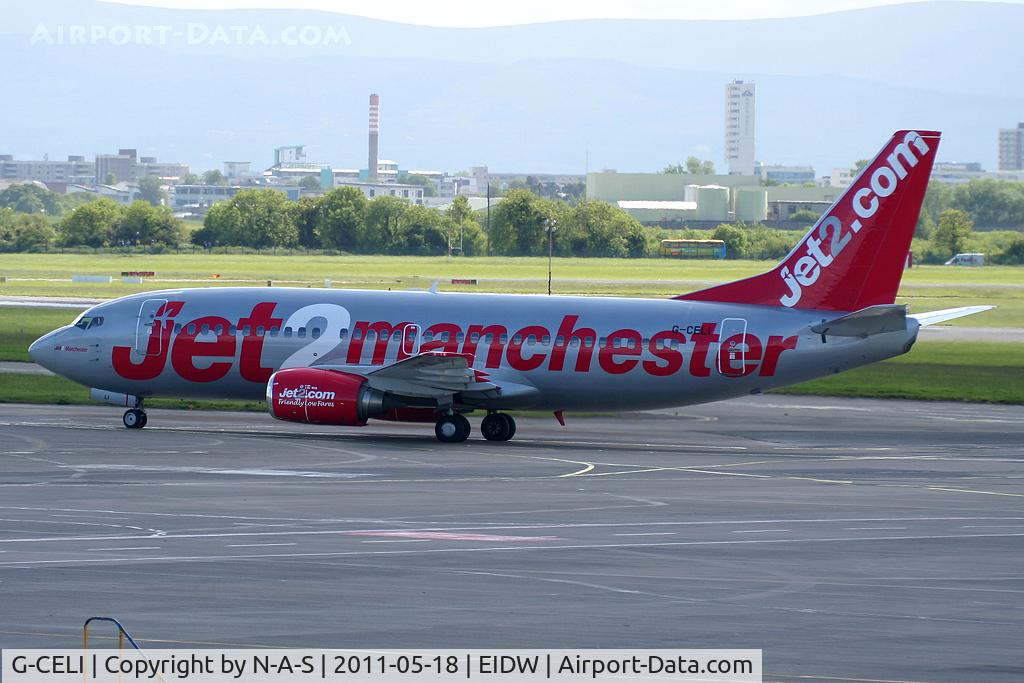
<point>853,257</point>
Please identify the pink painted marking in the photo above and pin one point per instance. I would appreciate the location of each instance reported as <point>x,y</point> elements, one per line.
<point>448,536</point>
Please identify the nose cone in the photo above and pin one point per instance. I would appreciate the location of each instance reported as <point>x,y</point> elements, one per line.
<point>42,350</point>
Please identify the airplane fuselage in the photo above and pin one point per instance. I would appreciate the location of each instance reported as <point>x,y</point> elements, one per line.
<point>552,353</point>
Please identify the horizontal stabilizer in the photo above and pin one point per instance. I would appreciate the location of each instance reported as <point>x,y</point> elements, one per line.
<point>866,322</point>
<point>935,317</point>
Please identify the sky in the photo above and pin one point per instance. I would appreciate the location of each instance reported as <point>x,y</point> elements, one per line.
<point>479,14</point>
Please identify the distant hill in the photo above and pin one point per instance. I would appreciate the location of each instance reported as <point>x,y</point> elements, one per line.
<point>635,94</point>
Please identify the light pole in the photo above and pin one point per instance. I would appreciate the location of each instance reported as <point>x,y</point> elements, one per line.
<point>552,223</point>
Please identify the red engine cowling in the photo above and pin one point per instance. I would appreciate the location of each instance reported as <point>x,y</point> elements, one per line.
<point>317,396</point>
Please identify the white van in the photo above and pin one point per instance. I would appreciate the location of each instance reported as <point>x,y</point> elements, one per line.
<point>967,260</point>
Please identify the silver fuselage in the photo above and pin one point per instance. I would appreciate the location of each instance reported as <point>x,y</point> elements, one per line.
<point>578,353</point>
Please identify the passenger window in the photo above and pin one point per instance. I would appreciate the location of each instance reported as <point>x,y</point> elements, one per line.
<point>603,342</point>
<point>177,329</point>
<point>232,330</point>
<point>559,341</point>
<point>247,331</point>
<point>475,337</point>
<point>343,334</point>
<point>287,332</point>
<point>191,329</point>
<point>302,333</point>
<point>504,339</point>
<point>205,329</point>
<point>357,333</point>
<point>545,340</point>
<point>316,333</point>
<point>383,335</point>
<point>219,330</point>
<point>460,337</point>
<point>428,336</point>
<point>274,331</point>
<point>517,340</point>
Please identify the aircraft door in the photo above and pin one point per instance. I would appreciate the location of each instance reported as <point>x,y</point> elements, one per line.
<point>732,347</point>
<point>148,340</point>
<point>410,343</point>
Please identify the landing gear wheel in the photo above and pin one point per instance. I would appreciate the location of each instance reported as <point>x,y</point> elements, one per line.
<point>452,429</point>
<point>498,427</point>
<point>134,419</point>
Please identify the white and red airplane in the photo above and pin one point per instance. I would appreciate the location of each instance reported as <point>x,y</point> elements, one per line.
<point>341,357</point>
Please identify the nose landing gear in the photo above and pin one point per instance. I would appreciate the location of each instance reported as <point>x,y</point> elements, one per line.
<point>134,418</point>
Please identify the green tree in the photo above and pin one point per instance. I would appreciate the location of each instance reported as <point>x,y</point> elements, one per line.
<point>310,183</point>
<point>307,216</point>
<point>699,167</point>
<point>953,231</point>
<point>143,223</point>
<point>190,179</point>
<point>214,177</point>
<point>458,213</point>
<point>267,219</point>
<point>991,202</point>
<point>24,232</point>
<point>151,190</point>
<point>92,224</point>
<point>519,225</point>
<point>679,169</point>
<point>595,228</point>
<point>383,218</point>
<point>805,216</point>
<point>737,242</point>
<point>340,218</point>
<point>110,178</point>
<point>30,198</point>
<point>421,232</point>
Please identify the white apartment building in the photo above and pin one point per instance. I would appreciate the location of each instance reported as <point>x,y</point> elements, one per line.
<point>739,127</point>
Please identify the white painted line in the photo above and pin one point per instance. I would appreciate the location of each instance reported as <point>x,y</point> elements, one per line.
<point>258,545</point>
<point>519,548</point>
<point>872,528</point>
<point>650,533</point>
<point>763,531</point>
<point>150,547</point>
<point>404,540</point>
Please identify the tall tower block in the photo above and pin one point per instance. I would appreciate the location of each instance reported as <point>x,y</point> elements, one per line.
<point>371,168</point>
<point>739,127</point>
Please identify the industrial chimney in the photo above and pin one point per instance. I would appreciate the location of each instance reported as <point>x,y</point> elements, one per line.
<point>371,169</point>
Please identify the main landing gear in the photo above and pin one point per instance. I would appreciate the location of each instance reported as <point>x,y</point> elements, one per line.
<point>135,418</point>
<point>498,427</point>
<point>494,427</point>
<point>452,428</point>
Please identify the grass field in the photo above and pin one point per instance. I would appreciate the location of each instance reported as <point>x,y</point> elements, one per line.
<point>924,287</point>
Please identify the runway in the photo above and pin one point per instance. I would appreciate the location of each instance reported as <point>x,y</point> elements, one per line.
<point>852,540</point>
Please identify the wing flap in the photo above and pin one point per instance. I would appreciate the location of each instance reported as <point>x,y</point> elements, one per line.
<point>865,322</point>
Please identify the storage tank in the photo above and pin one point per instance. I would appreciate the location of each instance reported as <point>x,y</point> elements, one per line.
<point>712,203</point>
<point>751,205</point>
<point>690,193</point>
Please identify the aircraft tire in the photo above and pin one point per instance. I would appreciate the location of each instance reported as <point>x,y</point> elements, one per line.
<point>498,427</point>
<point>134,419</point>
<point>452,429</point>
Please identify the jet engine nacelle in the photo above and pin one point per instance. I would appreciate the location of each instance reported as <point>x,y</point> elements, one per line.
<point>316,396</point>
<point>114,398</point>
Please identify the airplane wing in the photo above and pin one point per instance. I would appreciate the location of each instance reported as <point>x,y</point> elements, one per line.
<point>431,374</point>
<point>441,376</point>
<point>935,317</point>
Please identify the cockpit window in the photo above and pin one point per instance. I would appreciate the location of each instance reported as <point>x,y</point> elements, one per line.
<point>88,322</point>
